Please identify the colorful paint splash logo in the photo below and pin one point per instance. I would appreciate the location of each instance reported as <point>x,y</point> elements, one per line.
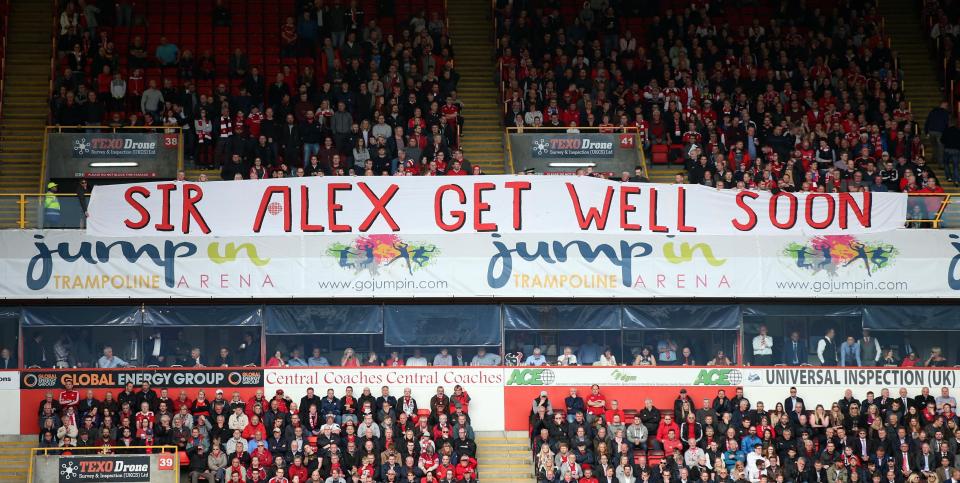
<point>374,251</point>
<point>831,253</point>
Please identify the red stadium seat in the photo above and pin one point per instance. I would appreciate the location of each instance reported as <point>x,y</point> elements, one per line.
<point>660,154</point>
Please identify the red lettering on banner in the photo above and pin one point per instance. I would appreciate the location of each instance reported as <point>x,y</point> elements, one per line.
<point>459,215</point>
<point>165,190</point>
<point>808,207</point>
<point>140,209</point>
<point>626,207</point>
<point>379,206</point>
<point>305,225</point>
<point>518,188</point>
<point>863,214</point>
<point>333,207</point>
<point>192,194</point>
<point>751,222</point>
<point>773,210</point>
<point>653,213</point>
<point>593,216</point>
<point>682,212</point>
<point>479,206</point>
<point>265,202</point>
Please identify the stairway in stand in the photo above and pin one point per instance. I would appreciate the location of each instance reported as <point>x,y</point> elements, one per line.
<point>25,106</point>
<point>919,67</point>
<point>471,28</point>
<point>15,458</point>
<point>504,457</point>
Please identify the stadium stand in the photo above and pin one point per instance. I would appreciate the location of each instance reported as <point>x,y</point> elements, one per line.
<point>285,58</point>
<point>887,437</point>
<point>769,80</point>
<point>280,438</point>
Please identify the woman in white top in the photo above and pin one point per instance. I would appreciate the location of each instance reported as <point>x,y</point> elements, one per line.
<point>607,358</point>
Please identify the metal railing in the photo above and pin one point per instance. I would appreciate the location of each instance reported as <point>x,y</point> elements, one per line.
<point>28,211</point>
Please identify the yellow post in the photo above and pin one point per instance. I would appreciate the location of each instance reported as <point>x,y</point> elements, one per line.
<point>22,201</point>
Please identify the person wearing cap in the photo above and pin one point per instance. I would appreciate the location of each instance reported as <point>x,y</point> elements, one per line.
<point>277,444</point>
<point>51,207</point>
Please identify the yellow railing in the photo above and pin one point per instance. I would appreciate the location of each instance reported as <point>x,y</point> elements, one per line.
<point>927,210</point>
<point>94,450</point>
<point>26,210</point>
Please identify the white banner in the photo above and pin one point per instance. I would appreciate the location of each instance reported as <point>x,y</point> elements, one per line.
<point>10,402</point>
<point>483,384</point>
<point>69,265</point>
<point>501,204</point>
<point>771,385</point>
<point>623,376</point>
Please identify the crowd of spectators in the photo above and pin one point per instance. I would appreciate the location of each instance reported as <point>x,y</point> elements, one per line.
<point>341,95</point>
<point>776,95</point>
<point>882,438</point>
<point>849,351</point>
<point>358,437</point>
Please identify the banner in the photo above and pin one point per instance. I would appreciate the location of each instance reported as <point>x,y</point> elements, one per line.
<point>153,468</point>
<point>104,468</point>
<point>112,155</point>
<point>483,384</point>
<point>118,378</point>
<point>904,264</point>
<point>429,206</point>
<point>557,152</point>
<point>10,402</point>
<point>772,384</point>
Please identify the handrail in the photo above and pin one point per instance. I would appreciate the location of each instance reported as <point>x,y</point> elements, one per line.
<point>46,451</point>
<point>58,128</point>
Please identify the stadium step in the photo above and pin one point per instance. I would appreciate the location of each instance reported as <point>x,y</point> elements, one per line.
<point>920,81</point>
<point>15,458</point>
<point>505,457</point>
<point>482,137</point>
<point>25,107</point>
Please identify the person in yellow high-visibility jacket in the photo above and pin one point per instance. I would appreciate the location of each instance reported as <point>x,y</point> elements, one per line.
<point>51,207</point>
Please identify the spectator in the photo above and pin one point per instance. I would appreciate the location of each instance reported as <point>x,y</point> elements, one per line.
<point>417,359</point>
<point>850,353</point>
<point>567,358</point>
<point>483,358</point>
<point>589,352</point>
<point>827,349</point>
<point>536,359</point>
<point>443,358</point>
<point>109,361</point>
<point>167,53</point>
<point>151,102</point>
<point>763,348</point>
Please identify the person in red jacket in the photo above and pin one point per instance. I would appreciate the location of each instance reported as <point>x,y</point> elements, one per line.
<point>255,426</point>
<point>588,476</point>
<point>596,404</point>
<point>460,398</point>
<point>666,425</point>
<point>258,398</point>
<point>297,470</point>
<point>467,465</point>
<point>70,397</point>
